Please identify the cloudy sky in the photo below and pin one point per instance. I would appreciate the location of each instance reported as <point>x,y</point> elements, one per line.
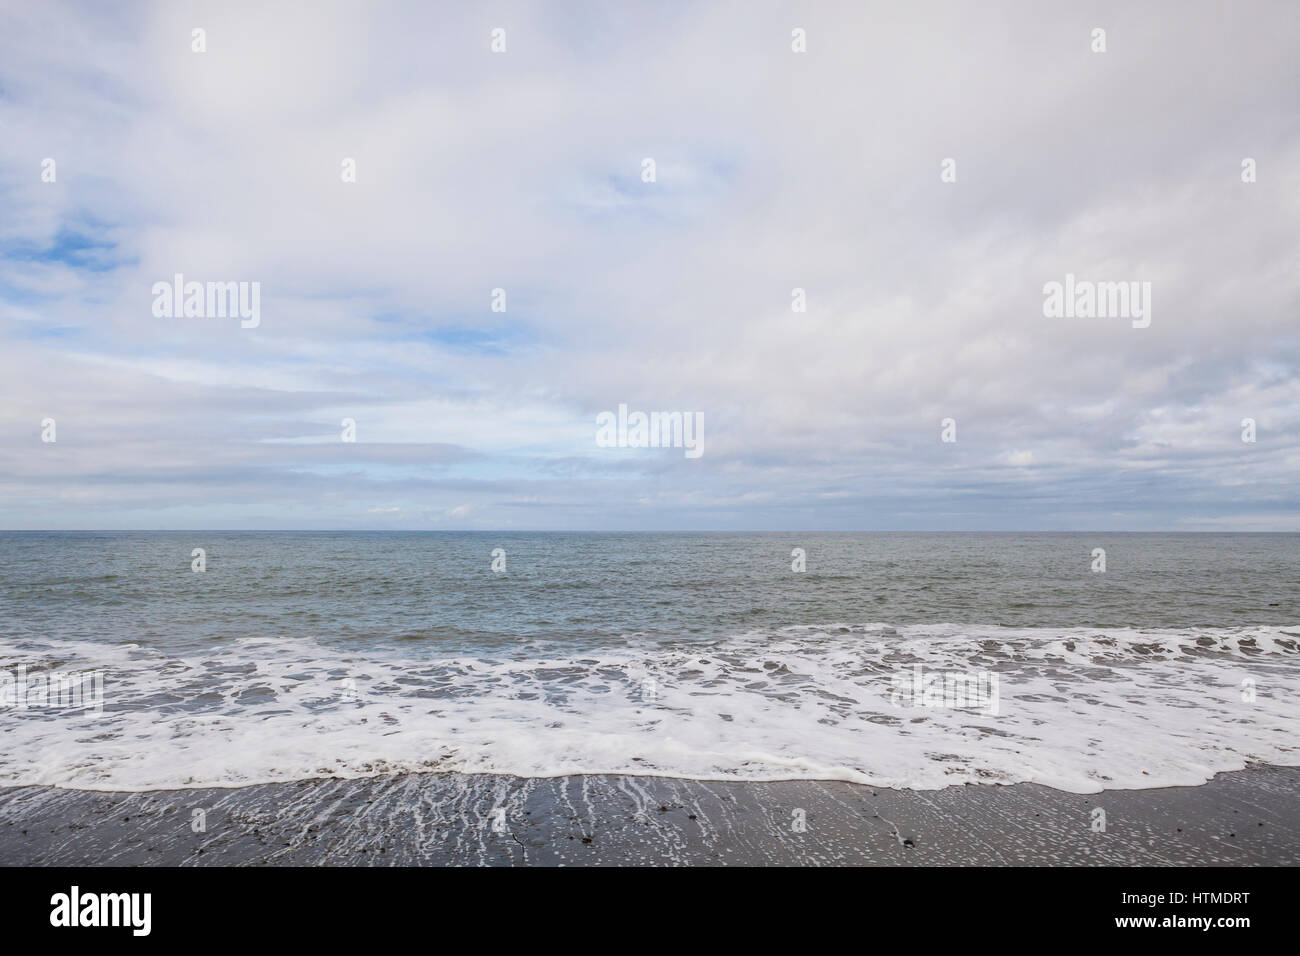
<point>774,170</point>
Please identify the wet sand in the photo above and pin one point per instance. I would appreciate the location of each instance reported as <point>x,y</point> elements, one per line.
<point>1249,817</point>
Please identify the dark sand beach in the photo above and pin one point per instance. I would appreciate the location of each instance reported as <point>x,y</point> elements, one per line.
<point>1245,818</point>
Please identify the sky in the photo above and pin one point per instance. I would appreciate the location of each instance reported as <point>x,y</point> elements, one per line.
<point>822,170</point>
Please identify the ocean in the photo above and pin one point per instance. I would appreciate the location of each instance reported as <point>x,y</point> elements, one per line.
<point>702,656</point>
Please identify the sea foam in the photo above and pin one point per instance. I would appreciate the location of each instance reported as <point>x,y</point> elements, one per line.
<point>1080,710</point>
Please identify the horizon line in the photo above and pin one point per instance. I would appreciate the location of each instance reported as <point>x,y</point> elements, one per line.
<point>615,531</point>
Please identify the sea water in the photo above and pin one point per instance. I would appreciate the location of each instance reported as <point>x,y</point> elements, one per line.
<point>300,655</point>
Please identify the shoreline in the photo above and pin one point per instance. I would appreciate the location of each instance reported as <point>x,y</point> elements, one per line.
<point>1247,817</point>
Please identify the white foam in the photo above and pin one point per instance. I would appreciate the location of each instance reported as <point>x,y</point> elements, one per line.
<point>1080,710</point>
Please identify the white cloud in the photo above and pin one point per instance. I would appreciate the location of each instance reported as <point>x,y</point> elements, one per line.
<point>776,170</point>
